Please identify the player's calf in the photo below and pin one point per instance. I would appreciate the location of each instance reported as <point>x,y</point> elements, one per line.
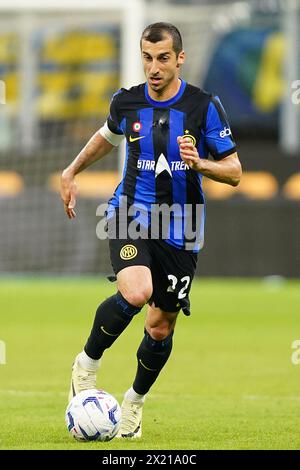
<point>111,319</point>
<point>152,356</point>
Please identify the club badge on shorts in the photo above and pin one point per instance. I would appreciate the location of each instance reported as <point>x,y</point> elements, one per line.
<point>128,252</point>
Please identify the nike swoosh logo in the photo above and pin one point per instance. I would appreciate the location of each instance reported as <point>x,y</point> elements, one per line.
<point>133,139</point>
<point>106,332</point>
<point>147,368</point>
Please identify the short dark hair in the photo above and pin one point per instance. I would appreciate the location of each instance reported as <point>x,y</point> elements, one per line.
<point>157,31</point>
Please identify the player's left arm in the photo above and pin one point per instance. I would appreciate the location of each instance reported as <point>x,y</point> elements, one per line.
<point>228,170</point>
<point>216,137</point>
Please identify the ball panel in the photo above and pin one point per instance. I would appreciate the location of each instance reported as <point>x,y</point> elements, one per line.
<point>93,415</point>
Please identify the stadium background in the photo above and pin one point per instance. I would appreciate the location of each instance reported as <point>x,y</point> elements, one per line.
<point>234,369</point>
<point>60,68</point>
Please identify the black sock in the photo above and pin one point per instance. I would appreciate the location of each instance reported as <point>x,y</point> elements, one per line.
<point>111,318</point>
<point>152,356</point>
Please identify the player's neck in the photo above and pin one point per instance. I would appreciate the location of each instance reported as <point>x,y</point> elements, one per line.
<point>167,93</point>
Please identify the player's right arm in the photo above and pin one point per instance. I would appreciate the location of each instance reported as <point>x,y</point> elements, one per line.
<point>97,147</point>
<point>110,135</point>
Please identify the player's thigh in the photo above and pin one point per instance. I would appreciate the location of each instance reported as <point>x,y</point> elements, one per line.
<point>159,323</point>
<point>125,253</point>
<point>131,262</point>
<point>135,284</point>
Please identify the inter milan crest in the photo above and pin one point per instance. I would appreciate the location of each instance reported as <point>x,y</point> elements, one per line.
<point>128,252</point>
<point>189,137</point>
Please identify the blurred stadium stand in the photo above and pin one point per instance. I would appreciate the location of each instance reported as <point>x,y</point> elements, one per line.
<point>291,189</point>
<point>254,185</point>
<point>74,68</point>
<point>11,183</point>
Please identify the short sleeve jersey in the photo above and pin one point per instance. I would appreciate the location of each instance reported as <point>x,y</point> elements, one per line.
<point>154,173</point>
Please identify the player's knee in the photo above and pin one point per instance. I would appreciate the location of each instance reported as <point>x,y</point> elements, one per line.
<point>138,298</point>
<point>160,332</point>
<point>160,325</point>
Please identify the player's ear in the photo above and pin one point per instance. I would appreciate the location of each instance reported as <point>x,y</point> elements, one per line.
<point>180,58</point>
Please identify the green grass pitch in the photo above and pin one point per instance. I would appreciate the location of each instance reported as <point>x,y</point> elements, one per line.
<point>229,384</point>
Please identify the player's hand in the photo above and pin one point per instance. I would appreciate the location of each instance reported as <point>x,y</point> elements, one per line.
<point>68,192</point>
<point>189,153</point>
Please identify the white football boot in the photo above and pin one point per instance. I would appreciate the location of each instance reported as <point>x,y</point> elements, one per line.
<point>131,419</point>
<point>82,379</point>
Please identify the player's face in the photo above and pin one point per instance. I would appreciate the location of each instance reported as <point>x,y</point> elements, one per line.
<point>161,66</point>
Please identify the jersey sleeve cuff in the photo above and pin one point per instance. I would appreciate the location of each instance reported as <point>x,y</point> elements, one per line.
<point>107,134</point>
<point>226,153</point>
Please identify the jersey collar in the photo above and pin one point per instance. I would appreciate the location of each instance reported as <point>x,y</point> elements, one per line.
<point>164,104</point>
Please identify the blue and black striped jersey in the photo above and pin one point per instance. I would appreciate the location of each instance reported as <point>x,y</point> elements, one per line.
<point>154,172</point>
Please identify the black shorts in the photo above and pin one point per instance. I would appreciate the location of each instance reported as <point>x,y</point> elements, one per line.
<point>172,269</point>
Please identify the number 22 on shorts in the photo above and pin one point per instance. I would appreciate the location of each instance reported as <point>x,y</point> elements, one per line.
<point>186,280</point>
